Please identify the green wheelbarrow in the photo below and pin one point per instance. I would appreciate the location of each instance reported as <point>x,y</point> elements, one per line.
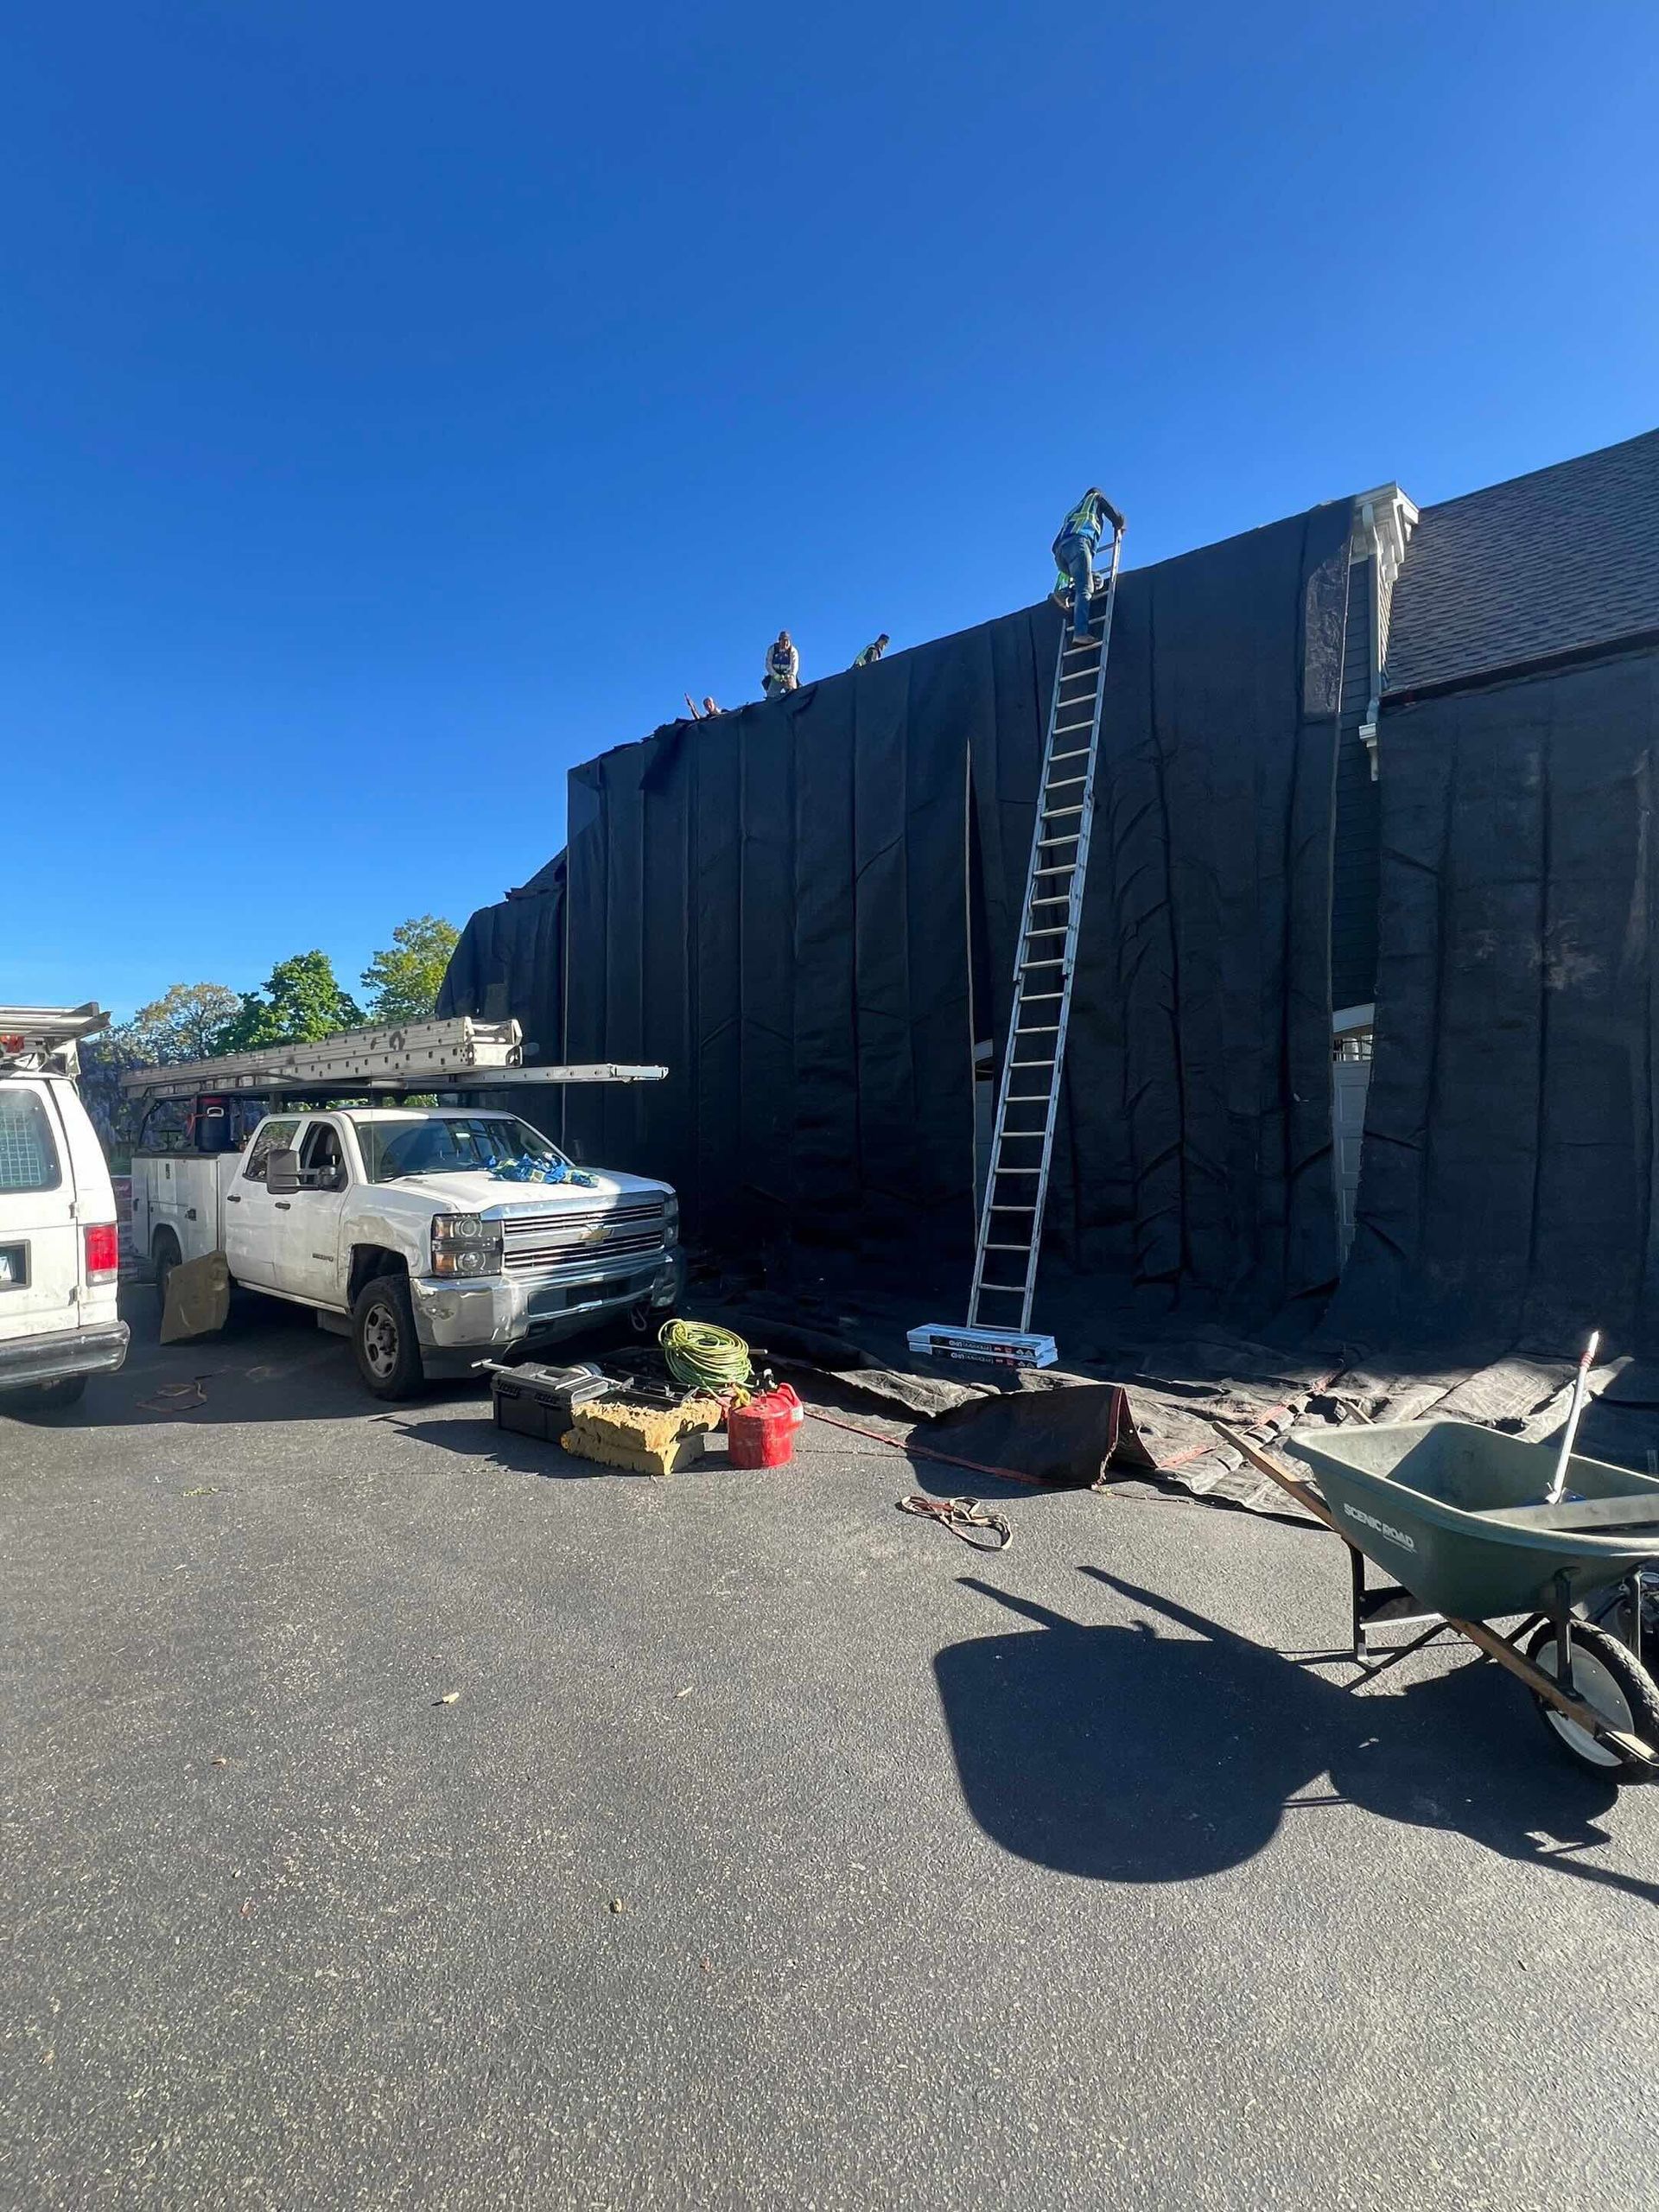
<point>1456,1516</point>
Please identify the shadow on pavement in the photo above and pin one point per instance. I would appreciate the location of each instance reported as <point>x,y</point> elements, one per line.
<point>482,1440</point>
<point>1127,1755</point>
<point>269,1363</point>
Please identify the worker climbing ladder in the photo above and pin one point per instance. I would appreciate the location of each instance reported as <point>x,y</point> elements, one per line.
<point>1028,1096</point>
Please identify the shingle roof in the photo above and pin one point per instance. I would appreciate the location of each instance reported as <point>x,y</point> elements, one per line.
<point>1563,559</point>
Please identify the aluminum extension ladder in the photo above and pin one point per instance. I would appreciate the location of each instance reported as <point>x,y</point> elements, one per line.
<point>1022,1142</point>
<point>450,1054</point>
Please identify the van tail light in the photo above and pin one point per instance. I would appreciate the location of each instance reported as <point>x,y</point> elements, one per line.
<point>103,1251</point>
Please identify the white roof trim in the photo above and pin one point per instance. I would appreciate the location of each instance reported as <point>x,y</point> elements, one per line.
<point>1384,521</point>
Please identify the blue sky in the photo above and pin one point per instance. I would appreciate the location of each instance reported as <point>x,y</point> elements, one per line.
<point>404,402</point>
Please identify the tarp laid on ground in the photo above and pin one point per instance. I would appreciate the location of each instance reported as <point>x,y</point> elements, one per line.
<point>1153,1411</point>
<point>784,905</point>
<point>1507,1190</point>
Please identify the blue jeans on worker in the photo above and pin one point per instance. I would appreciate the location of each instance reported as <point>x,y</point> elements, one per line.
<point>1076,556</point>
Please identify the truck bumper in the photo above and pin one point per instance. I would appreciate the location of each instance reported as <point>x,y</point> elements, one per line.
<point>460,1323</point>
<point>25,1360</point>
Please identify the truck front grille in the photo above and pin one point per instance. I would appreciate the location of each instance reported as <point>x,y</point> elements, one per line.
<point>545,1243</point>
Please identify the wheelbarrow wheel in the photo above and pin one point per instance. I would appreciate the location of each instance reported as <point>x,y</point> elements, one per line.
<point>1607,1678</point>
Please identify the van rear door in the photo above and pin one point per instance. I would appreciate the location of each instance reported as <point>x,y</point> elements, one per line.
<point>39,1239</point>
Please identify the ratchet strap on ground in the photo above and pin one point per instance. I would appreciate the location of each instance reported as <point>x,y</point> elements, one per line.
<point>960,1516</point>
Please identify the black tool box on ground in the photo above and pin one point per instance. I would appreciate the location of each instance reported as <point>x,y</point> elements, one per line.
<point>536,1399</point>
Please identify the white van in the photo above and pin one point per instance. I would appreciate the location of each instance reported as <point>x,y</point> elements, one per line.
<point>60,1252</point>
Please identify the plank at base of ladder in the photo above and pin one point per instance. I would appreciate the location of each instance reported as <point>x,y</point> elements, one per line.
<point>997,1347</point>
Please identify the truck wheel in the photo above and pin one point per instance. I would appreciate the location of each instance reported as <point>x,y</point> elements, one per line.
<point>166,1256</point>
<point>46,1397</point>
<point>383,1335</point>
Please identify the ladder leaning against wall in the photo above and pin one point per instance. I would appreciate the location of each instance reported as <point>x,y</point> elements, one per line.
<point>1028,1096</point>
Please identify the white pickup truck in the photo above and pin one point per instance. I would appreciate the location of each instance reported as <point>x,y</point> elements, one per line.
<point>430,1235</point>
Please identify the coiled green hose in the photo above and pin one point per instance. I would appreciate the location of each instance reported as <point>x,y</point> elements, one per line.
<point>704,1357</point>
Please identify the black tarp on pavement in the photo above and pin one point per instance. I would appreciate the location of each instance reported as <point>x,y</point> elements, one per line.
<point>779,903</point>
<point>1508,1179</point>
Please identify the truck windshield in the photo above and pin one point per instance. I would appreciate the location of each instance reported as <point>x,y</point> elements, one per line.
<point>446,1144</point>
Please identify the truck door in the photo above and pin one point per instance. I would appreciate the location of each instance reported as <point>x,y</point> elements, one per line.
<point>40,1237</point>
<point>307,1231</point>
<point>250,1221</point>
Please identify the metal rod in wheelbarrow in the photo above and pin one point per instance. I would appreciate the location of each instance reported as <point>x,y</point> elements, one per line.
<point>1580,1390</point>
<point>1484,1638</point>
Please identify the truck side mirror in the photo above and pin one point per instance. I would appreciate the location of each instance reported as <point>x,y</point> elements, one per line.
<point>282,1172</point>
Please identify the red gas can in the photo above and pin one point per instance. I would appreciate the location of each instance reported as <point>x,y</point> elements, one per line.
<point>762,1434</point>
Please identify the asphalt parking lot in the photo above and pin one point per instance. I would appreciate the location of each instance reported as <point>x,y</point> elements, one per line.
<point>401,1814</point>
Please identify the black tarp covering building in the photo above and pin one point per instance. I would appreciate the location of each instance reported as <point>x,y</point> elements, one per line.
<point>1507,1190</point>
<point>509,964</point>
<point>774,904</point>
<point>807,910</point>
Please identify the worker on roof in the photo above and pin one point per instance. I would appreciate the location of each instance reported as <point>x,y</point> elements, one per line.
<point>873,653</point>
<point>1074,555</point>
<point>783,671</point>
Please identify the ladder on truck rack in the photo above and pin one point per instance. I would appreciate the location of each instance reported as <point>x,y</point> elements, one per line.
<point>457,1054</point>
<point>42,1039</point>
<point>1022,1139</point>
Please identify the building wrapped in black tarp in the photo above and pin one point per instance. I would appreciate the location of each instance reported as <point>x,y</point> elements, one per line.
<point>807,908</point>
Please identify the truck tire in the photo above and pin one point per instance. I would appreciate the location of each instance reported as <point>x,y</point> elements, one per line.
<point>45,1397</point>
<point>165,1256</point>
<point>383,1337</point>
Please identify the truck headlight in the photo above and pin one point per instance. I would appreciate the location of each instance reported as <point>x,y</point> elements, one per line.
<point>671,1219</point>
<point>466,1244</point>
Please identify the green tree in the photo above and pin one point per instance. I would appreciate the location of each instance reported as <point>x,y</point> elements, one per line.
<point>403,980</point>
<point>186,1023</point>
<point>301,1000</point>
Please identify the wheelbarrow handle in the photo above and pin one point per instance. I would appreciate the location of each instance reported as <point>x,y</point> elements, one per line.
<point>1304,1493</point>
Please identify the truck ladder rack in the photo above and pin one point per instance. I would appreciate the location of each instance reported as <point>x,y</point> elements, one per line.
<point>42,1038</point>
